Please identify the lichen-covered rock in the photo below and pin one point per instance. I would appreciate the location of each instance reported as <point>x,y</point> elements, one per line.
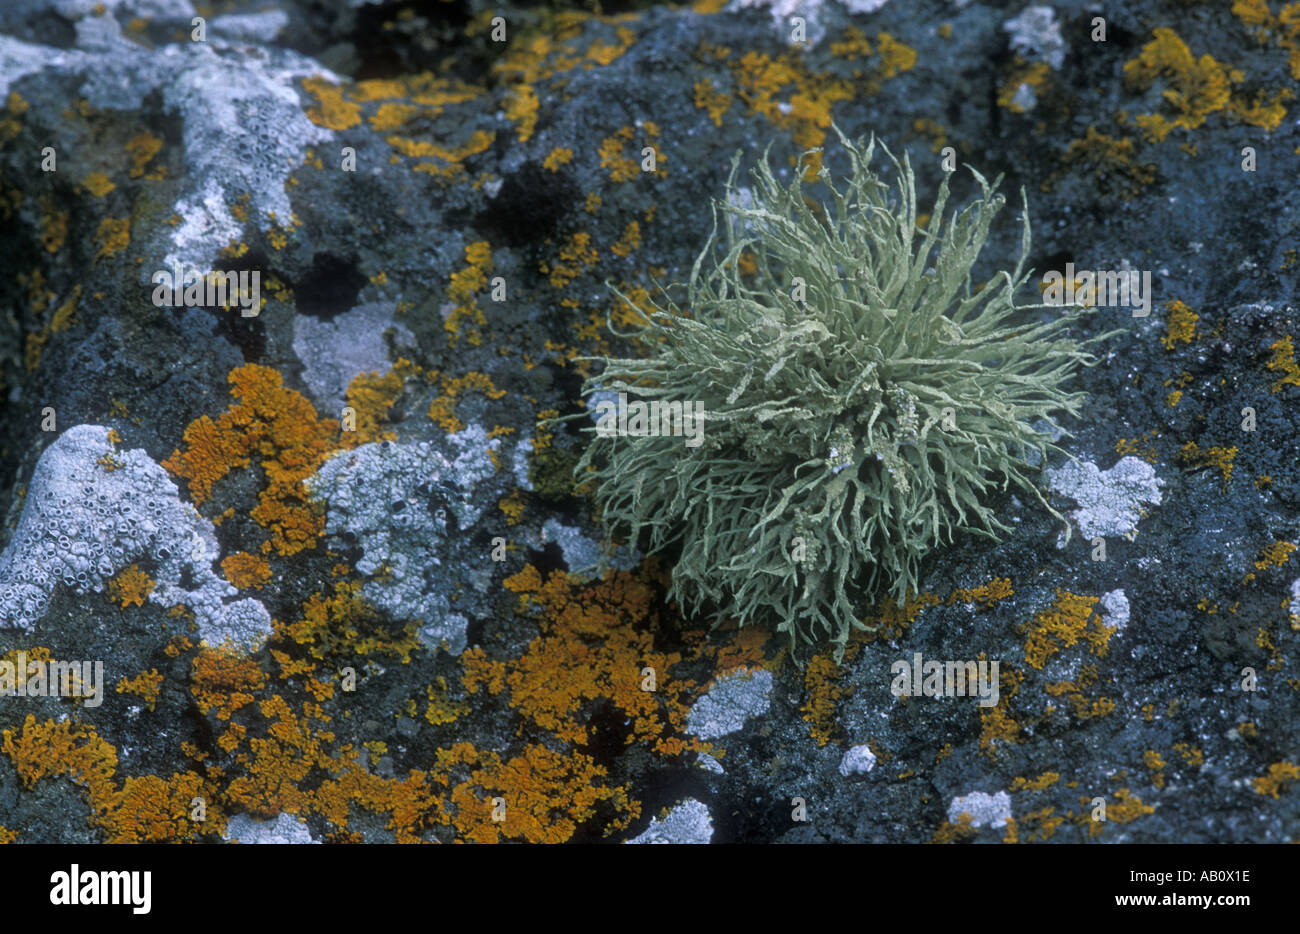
<point>688,822</point>
<point>730,702</point>
<point>408,506</point>
<point>90,512</point>
<point>1110,502</point>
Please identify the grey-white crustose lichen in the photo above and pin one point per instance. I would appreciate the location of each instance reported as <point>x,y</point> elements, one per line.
<point>92,511</point>
<point>862,399</point>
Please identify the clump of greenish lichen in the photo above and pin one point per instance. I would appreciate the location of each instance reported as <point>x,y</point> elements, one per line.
<point>861,400</point>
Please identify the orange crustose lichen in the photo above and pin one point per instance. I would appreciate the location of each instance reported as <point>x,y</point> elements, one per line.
<point>1065,622</point>
<point>148,684</point>
<point>594,646</point>
<point>131,585</point>
<point>279,428</point>
<point>245,570</point>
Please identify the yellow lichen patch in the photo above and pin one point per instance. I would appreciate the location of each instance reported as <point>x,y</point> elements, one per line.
<point>596,642</point>
<point>576,257</point>
<point>449,167</point>
<point>805,109</point>
<point>1277,779</point>
<point>955,832</point>
<point>1032,826</point>
<point>147,809</point>
<point>392,116</point>
<point>371,396</point>
<point>1139,447</point>
<point>822,695</point>
<point>709,98</point>
<point>985,596</point>
<point>65,313</point>
<point>480,672</point>
<point>131,585</point>
<point>1124,808</point>
<point>632,307</point>
<point>147,684</point>
<point>246,571</point>
<point>560,155</point>
<point>1192,88</point>
<point>18,658</point>
<point>888,621</point>
<point>151,809</point>
<point>113,236</point>
<point>98,184</point>
<point>62,748</point>
<point>54,228</point>
<point>1110,161</point>
<point>1181,325</point>
<point>1283,28</point>
<point>344,627</point>
<point>603,53</point>
<point>1193,756</point>
<point>746,648</point>
<point>443,409</point>
<point>12,125</point>
<point>1027,79</point>
<point>1070,618</point>
<point>1274,556</point>
<point>1084,708</point>
<point>440,708</point>
<point>521,109</point>
<point>332,110</point>
<point>621,167</point>
<point>997,726</point>
<point>895,57</point>
<point>1155,765</point>
<point>1220,458</point>
<point>223,681</point>
<point>513,507</point>
<point>461,293</point>
<point>278,761</point>
<point>1265,110</point>
<point>539,796</point>
<point>629,241</point>
<point>932,130</point>
<point>63,317</point>
<point>1264,638</point>
<point>789,96</point>
<point>1042,782</point>
<point>178,645</point>
<point>380,89</point>
<point>109,463</point>
<point>279,427</point>
<point>142,148</point>
<point>1283,362</point>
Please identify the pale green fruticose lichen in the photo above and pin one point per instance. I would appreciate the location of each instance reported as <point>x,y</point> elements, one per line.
<point>861,399</point>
